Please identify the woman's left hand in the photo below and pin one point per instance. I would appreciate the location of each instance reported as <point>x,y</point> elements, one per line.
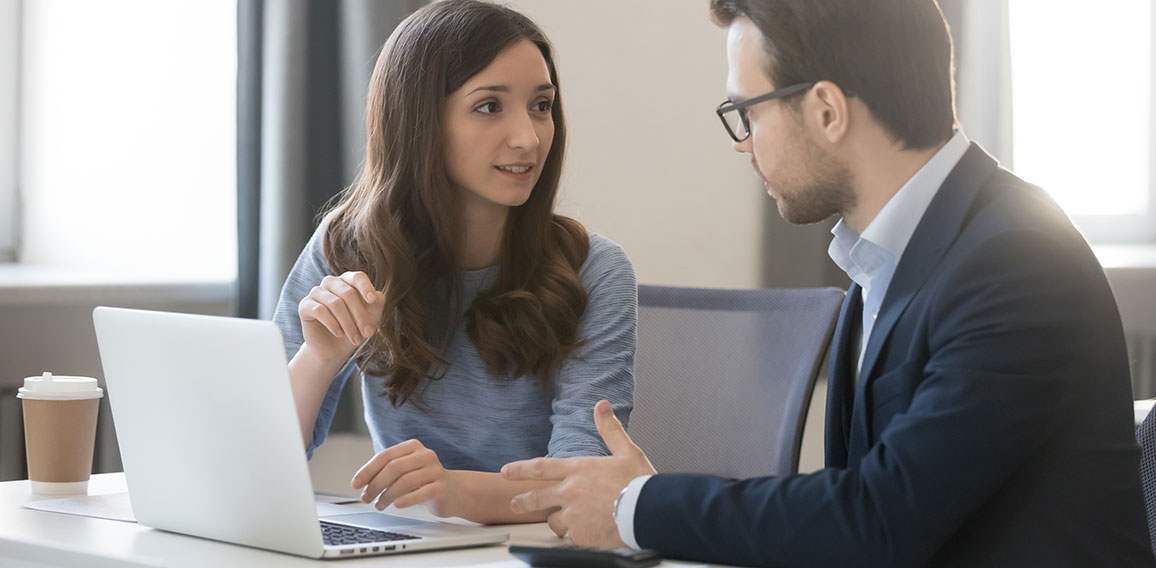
<point>408,474</point>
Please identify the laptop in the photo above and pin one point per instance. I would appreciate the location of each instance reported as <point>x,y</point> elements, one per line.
<point>212,447</point>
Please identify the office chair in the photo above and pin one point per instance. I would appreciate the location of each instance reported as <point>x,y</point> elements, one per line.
<point>1146,435</point>
<point>723,378</point>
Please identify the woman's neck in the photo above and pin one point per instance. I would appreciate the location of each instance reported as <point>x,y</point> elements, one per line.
<point>482,236</point>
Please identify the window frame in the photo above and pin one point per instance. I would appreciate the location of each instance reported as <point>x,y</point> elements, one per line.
<point>11,15</point>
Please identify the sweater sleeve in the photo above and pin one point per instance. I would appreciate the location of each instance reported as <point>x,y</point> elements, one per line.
<point>308,272</point>
<point>603,366</point>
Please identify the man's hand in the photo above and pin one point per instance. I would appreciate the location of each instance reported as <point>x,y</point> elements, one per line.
<point>585,488</point>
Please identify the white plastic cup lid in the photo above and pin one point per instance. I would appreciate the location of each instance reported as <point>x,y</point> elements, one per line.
<point>50,387</point>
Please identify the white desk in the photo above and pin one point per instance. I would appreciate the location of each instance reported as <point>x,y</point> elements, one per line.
<point>1141,408</point>
<point>54,539</point>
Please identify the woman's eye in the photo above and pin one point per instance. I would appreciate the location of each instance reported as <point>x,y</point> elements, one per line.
<point>543,106</point>
<point>488,108</point>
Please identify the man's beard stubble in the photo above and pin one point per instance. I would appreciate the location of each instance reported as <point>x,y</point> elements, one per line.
<point>820,189</point>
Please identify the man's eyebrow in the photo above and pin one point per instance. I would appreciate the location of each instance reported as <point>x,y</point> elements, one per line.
<point>506,88</point>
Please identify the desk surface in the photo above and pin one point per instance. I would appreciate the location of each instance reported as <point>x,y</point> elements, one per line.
<point>54,539</point>
<point>1141,408</point>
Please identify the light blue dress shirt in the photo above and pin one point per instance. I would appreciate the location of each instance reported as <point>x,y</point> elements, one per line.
<point>868,259</point>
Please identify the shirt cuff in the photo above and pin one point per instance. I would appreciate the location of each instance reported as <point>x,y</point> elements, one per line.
<point>625,517</point>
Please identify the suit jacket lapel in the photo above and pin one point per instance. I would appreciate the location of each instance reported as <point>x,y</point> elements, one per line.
<point>937,230</point>
<point>841,380</point>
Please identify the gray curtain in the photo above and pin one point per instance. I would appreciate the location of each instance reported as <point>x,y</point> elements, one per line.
<point>303,72</point>
<point>302,76</point>
<point>795,256</point>
<point>979,29</point>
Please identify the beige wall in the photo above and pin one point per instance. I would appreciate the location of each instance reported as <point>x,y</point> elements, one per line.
<point>649,164</point>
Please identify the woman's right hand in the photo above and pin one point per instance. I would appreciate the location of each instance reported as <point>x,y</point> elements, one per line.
<point>339,315</point>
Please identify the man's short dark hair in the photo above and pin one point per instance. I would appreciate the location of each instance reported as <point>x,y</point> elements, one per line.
<point>895,55</point>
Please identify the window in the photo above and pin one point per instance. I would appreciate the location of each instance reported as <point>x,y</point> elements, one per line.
<point>9,133</point>
<point>1082,108</point>
<point>128,136</point>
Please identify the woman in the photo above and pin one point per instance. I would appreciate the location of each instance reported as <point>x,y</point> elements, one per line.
<point>485,325</point>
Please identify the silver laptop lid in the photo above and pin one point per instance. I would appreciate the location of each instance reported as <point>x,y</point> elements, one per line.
<point>181,384</point>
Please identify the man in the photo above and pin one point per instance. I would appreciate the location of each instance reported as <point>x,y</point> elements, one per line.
<point>979,409</point>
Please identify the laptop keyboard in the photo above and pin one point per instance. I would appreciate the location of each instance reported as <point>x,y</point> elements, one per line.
<point>334,534</point>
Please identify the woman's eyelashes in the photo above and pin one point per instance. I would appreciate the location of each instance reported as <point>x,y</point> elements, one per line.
<point>489,107</point>
<point>544,105</point>
<point>494,107</point>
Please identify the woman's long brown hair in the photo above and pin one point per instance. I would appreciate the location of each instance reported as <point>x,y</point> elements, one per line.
<point>400,223</point>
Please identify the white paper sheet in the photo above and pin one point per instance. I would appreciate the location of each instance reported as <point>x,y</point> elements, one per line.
<point>112,506</point>
<point>116,506</point>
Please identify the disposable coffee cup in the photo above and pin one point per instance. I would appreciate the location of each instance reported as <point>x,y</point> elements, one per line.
<point>60,432</point>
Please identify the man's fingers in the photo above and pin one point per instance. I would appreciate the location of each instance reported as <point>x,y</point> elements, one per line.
<point>611,429</point>
<point>537,500</point>
<point>556,524</point>
<point>545,469</point>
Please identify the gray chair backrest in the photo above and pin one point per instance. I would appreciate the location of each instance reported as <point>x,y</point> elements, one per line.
<point>723,378</point>
<point>1146,435</point>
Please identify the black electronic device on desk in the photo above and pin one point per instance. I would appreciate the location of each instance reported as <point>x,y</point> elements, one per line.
<point>579,557</point>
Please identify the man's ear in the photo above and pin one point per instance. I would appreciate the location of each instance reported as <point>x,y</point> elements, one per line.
<point>828,109</point>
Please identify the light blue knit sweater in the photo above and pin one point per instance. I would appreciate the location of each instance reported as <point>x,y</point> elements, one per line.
<point>478,421</point>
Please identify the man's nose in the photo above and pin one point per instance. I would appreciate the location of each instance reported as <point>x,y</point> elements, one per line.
<point>743,147</point>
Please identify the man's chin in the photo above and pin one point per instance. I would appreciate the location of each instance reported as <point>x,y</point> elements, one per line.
<point>770,192</point>
<point>800,216</point>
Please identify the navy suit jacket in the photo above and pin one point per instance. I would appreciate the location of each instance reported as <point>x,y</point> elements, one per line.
<point>991,425</point>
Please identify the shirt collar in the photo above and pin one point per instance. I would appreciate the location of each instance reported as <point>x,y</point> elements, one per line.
<point>896,222</point>
<point>861,259</point>
<point>884,240</point>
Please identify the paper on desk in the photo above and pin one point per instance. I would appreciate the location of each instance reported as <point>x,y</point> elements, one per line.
<point>113,506</point>
<point>116,506</point>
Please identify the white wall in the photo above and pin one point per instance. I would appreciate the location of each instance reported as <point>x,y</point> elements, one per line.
<point>649,164</point>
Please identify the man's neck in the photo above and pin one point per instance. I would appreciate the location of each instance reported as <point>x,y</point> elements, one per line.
<point>879,174</point>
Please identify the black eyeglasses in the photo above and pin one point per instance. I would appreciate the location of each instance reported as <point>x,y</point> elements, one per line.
<point>734,115</point>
